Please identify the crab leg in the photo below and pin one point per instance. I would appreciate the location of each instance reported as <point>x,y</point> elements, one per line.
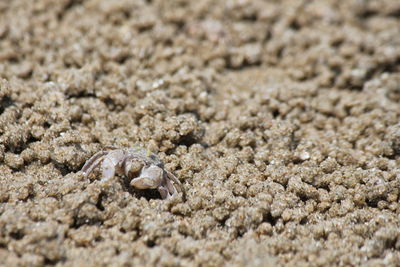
<point>163,192</point>
<point>171,187</point>
<point>93,162</point>
<point>173,178</point>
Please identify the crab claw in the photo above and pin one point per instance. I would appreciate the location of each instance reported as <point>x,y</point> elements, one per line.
<point>150,178</point>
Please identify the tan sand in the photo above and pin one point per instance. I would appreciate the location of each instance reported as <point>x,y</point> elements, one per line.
<point>280,118</point>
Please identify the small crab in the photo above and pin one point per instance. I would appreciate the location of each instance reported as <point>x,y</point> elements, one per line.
<point>144,168</point>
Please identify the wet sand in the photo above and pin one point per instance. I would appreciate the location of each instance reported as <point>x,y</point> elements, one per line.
<point>280,118</point>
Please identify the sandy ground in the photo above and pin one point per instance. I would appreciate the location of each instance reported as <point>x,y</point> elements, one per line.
<point>280,118</point>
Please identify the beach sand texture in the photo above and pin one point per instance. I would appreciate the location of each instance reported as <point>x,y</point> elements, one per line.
<point>280,118</point>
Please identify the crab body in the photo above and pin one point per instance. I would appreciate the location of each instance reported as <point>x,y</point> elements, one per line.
<point>144,168</point>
